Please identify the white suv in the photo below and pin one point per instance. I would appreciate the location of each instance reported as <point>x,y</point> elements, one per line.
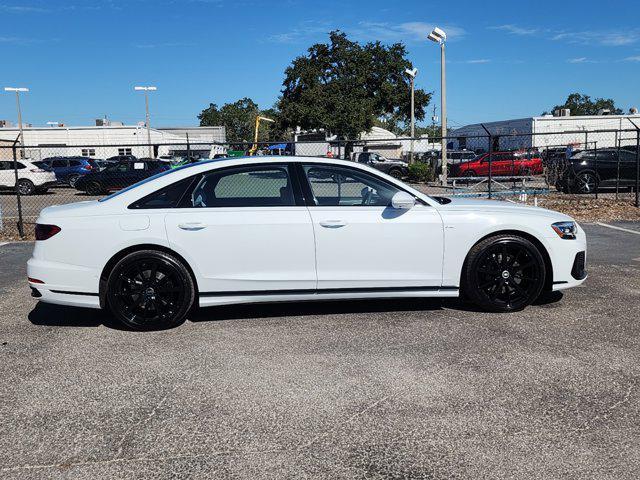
<point>31,178</point>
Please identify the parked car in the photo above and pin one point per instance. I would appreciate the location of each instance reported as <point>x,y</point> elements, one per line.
<point>102,164</point>
<point>502,164</point>
<point>395,168</point>
<point>68,169</point>
<point>119,175</point>
<point>31,178</point>
<point>590,170</point>
<point>122,158</point>
<point>289,229</point>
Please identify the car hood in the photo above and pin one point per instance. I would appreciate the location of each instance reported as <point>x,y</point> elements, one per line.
<point>498,206</point>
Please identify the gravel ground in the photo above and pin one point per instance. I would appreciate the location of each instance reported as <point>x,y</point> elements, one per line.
<point>388,389</point>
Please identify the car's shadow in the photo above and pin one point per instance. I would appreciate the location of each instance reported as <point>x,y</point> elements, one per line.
<point>59,316</point>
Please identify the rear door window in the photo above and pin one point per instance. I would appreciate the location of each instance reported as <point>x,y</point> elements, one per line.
<point>256,186</point>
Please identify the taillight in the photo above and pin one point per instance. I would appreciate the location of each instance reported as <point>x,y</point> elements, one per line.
<point>88,167</point>
<point>44,231</point>
<point>37,170</point>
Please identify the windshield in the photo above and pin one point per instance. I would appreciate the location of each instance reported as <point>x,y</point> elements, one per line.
<point>149,179</point>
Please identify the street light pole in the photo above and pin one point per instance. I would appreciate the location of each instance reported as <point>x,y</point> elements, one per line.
<point>412,75</point>
<point>17,90</point>
<point>439,36</point>
<point>146,91</point>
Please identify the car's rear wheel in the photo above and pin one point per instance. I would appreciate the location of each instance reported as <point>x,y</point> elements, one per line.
<point>470,173</point>
<point>150,290</point>
<point>503,273</point>
<point>26,187</point>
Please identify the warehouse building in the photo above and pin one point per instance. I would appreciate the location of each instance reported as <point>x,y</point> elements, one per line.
<point>109,140</point>
<point>548,131</point>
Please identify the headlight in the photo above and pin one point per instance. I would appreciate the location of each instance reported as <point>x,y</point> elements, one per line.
<point>566,230</point>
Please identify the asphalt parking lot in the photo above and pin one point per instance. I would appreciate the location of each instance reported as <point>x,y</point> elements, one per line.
<point>387,389</point>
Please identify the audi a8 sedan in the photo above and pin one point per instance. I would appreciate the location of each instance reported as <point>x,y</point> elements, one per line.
<point>274,229</point>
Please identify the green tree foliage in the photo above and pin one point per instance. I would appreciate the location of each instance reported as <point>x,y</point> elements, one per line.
<point>343,87</point>
<point>239,119</point>
<point>580,104</point>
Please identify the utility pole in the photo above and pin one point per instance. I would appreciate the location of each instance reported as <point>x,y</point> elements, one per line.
<point>146,91</point>
<point>17,91</point>
<point>439,36</point>
<point>412,75</point>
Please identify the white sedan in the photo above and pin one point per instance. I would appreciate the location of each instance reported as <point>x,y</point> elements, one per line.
<point>282,229</point>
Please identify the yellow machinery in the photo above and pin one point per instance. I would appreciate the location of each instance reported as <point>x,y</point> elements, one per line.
<point>259,119</point>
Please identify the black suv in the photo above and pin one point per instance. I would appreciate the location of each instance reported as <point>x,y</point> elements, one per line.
<point>119,175</point>
<point>395,168</point>
<point>590,170</point>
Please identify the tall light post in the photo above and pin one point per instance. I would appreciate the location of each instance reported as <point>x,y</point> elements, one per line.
<point>18,90</point>
<point>438,36</point>
<point>146,91</point>
<point>412,75</point>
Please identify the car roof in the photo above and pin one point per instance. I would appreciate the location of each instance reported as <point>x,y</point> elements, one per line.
<point>171,176</point>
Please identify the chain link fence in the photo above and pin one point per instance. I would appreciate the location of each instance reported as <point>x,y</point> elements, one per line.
<point>572,164</point>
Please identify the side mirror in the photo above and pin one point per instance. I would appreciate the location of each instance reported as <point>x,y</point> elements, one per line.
<point>403,201</point>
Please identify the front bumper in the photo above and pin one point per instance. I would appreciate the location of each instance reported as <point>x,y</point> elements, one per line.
<point>568,260</point>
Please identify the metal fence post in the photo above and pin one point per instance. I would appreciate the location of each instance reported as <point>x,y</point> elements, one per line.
<point>17,187</point>
<point>618,141</point>
<point>637,166</point>
<point>595,156</point>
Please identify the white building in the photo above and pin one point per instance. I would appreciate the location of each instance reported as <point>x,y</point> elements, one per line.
<point>108,141</point>
<point>548,131</point>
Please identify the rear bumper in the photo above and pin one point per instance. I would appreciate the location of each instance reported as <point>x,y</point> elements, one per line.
<point>63,284</point>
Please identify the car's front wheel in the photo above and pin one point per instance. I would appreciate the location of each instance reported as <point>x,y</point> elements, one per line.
<point>396,173</point>
<point>150,290</point>
<point>72,180</point>
<point>503,273</point>
<point>586,182</point>
<point>94,188</point>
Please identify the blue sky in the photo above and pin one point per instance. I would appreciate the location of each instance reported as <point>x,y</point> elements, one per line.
<point>506,59</point>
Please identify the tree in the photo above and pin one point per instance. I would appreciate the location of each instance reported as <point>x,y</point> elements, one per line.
<point>343,87</point>
<point>239,119</point>
<point>581,104</point>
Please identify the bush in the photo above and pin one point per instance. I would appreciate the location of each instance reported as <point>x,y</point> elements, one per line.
<point>421,172</point>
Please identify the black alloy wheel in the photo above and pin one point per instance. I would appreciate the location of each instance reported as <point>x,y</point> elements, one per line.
<point>586,182</point>
<point>72,180</point>
<point>94,188</point>
<point>504,273</point>
<point>396,173</point>
<point>150,290</point>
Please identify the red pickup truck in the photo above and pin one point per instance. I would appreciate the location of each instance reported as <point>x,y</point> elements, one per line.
<point>502,164</point>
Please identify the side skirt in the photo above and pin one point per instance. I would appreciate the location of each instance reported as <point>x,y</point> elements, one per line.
<point>207,299</point>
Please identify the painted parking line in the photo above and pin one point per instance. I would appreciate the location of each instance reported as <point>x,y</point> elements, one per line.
<point>2,244</point>
<point>628,230</point>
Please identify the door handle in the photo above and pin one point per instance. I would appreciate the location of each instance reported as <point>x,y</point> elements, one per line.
<point>192,226</point>
<point>332,223</point>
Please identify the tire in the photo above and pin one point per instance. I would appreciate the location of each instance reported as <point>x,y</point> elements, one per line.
<point>585,183</point>
<point>150,290</point>
<point>72,180</point>
<point>503,273</point>
<point>396,173</point>
<point>94,188</point>
<point>470,173</point>
<point>26,187</point>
